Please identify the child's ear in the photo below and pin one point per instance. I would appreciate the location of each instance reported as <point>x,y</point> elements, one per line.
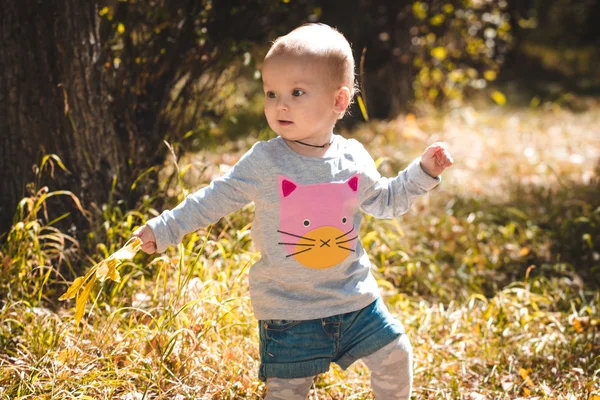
<point>342,99</point>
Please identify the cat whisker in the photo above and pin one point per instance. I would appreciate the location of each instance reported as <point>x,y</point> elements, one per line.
<point>349,240</point>
<point>301,237</point>
<point>341,236</point>
<point>298,252</point>
<point>345,248</point>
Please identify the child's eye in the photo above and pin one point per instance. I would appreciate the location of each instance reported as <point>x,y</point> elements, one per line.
<point>306,222</point>
<point>344,220</point>
<point>270,95</point>
<point>297,92</point>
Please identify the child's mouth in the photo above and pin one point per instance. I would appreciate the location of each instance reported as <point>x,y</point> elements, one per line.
<point>283,122</point>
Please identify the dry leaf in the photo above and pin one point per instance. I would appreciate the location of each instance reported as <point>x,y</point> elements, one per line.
<point>73,289</point>
<point>107,268</point>
<point>82,299</point>
<point>104,269</point>
<point>128,251</point>
<point>525,375</point>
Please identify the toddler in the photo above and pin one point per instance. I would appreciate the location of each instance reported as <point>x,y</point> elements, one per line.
<point>312,290</point>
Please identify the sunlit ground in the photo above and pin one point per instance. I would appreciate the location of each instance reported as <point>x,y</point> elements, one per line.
<point>485,272</point>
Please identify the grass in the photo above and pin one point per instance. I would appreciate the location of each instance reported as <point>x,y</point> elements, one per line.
<point>494,274</point>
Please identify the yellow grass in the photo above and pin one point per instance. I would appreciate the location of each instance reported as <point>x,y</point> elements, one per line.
<point>493,299</point>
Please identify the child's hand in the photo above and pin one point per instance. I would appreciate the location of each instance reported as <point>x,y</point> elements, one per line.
<point>435,159</point>
<point>147,237</point>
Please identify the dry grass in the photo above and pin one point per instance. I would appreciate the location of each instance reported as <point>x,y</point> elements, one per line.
<point>488,273</point>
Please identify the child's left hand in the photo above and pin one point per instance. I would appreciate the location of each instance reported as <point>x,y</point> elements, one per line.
<point>435,159</point>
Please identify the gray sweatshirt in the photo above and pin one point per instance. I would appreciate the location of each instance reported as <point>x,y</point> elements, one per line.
<point>306,225</point>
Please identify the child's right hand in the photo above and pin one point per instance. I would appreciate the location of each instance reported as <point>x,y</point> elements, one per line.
<point>147,237</point>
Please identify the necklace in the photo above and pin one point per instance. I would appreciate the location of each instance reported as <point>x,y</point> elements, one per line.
<point>312,145</point>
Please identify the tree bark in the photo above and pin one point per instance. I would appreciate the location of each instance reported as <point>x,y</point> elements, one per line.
<point>53,100</point>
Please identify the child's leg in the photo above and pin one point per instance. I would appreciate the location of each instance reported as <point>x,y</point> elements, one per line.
<point>288,389</point>
<point>391,370</point>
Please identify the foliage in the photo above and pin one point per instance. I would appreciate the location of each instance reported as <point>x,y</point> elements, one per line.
<point>33,247</point>
<point>172,65</point>
<point>105,269</point>
<point>459,46</point>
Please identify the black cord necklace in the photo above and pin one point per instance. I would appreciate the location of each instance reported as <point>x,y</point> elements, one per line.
<point>312,145</point>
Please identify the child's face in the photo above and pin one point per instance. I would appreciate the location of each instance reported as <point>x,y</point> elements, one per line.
<point>299,97</point>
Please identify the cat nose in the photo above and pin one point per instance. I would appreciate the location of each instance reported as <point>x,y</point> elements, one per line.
<point>325,243</point>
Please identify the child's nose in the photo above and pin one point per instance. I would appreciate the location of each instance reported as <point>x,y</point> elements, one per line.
<point>282,105</point>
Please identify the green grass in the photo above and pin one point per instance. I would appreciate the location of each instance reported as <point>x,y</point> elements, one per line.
<point>494,274</point>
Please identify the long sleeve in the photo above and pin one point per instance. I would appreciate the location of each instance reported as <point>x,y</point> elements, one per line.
<point>206,206</point>
<point>390,197</point>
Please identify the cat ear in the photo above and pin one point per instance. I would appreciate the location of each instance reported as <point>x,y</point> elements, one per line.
<point>286,186</point>
<point>353,183</point>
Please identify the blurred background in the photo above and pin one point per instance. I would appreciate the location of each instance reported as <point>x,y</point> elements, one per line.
<point>102,84</point>
<point>112,111</point>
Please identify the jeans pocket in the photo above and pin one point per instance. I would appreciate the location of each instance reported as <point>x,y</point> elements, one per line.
<point>279,324</point>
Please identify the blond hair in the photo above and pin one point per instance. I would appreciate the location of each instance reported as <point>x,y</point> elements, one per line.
<point>324,43</point>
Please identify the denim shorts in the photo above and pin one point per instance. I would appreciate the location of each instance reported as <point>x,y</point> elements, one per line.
<point>296,349</point>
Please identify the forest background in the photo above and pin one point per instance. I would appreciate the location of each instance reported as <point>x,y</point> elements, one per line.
<point>111,111</point>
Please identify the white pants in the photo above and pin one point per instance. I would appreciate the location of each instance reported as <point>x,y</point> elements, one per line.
<point>391,375</point>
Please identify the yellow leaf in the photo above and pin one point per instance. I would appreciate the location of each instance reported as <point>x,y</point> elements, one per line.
<point>525,375</point>
<point>419,10</point>
<point>498,97</point>
<point>578,325</point>
<point>524,251</point>
<point>526,391</point>
<point>114,275</point>
<point>439,52</point>
<point>103,11</point>
<point>82,299</point>
<point>121,28</point>
<point>102,270</point>
<point>437,19</point>
<point>489,75</point>
<point>106,268</point>
<point>362,107</point>
<point>128,251</point>
<point>73,289</point>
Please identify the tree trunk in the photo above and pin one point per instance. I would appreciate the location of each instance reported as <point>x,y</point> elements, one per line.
<point>53,100</point>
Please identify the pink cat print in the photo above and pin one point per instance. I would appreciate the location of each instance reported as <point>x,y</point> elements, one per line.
<point>316,221</point>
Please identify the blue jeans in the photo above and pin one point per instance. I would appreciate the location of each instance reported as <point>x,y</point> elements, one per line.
<point>301,348</point>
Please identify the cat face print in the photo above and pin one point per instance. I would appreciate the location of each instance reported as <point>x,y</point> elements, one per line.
<point>316,221</point>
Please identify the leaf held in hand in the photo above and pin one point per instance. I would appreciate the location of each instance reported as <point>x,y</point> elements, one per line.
<point>73,289</point>
<point>128,251</point>
<point>82,299</point>
<point>105,269</point>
